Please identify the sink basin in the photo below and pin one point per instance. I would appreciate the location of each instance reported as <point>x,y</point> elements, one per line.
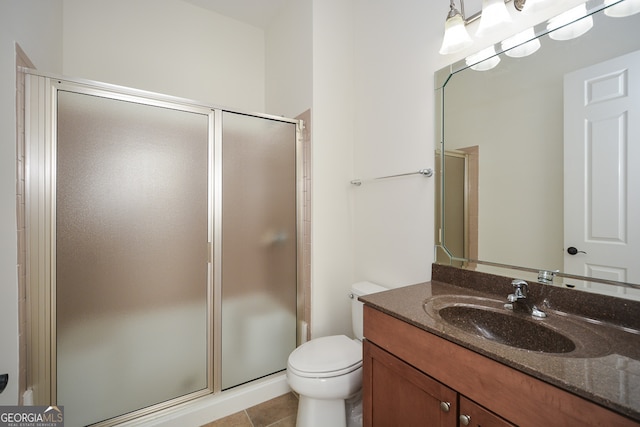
<point>507,329</point>
<point>484,323</point>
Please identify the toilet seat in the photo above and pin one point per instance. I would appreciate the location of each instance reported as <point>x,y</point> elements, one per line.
<point>326,357</point>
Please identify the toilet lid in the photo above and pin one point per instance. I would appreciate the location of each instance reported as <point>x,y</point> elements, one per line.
<point>327,356</point>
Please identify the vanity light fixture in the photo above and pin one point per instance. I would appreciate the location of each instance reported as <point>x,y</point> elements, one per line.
<point>522,44</point>
<point>456,37</point>
<point>622,9</point>
<point>569,25</point>
<point>484,60</point>
<point>494,13</point>
<point>528,6</point>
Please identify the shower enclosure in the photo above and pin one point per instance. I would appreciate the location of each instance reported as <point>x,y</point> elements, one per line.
<point>163,248</point>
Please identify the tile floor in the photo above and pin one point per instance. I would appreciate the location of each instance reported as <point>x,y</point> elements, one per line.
<point>278,412</point>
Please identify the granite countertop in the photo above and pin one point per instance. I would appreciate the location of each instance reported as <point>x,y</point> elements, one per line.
<point>603,368</point>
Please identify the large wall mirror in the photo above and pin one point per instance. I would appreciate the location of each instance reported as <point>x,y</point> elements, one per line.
<point>539,156</point>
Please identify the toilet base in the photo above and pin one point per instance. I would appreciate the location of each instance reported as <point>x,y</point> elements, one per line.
<point>321,412</point>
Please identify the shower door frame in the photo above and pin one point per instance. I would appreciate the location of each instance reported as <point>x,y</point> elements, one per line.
<point>40,145</point>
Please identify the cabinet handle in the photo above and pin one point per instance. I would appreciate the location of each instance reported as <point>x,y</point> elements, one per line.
<point>445,406</point>
<point>465,420</point>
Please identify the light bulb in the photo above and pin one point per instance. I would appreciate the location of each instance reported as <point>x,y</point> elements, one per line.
<point>622,9</point>
<point>532,6</point>
<point>484,60</point>
<point>522,44</point>
<point>570,24</point>
<point>494,13</point>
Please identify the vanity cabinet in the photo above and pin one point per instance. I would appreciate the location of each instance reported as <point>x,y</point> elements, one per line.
<point>397,394</point>
<point>410,375</point>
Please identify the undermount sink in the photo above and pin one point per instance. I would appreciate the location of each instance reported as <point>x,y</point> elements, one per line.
<point>486,320</point>
<point>507,329</point>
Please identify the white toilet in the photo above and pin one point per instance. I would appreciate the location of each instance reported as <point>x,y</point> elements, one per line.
<point>326,371</point>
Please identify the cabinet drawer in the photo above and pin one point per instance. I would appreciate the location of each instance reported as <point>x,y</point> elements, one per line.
<point>474,415</point>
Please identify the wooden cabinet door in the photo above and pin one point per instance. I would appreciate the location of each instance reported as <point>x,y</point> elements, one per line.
<point>397,394</point>
<point>474,415</point>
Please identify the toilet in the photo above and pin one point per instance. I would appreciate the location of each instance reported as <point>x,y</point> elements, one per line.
<point>327,371</point>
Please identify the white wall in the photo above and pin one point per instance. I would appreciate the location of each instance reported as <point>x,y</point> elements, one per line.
<point>372,114</point>
<point>289,59</point>
<point>333,136</point>
<point>36,26</point>
<point>166,46</point>
<point>396,56</point>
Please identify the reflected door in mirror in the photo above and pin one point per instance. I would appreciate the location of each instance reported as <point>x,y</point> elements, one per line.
<point>602,178</point>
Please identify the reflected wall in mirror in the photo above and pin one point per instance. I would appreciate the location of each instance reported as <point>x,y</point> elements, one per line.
<point>556,137</point>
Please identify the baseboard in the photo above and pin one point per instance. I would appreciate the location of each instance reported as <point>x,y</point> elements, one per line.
<point>210,408</point>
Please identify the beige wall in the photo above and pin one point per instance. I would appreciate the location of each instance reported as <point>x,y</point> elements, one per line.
<point>508,128</point>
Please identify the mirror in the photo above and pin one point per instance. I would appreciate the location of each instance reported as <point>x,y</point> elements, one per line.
<point>511,186</point>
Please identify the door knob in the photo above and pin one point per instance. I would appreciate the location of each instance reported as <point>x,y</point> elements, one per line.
<point>4,379</point>
<point>465,420</point>
<point>572,251</point>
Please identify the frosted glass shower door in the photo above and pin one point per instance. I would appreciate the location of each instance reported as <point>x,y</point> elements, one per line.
<point>132,230</point>
<point>259,263</point>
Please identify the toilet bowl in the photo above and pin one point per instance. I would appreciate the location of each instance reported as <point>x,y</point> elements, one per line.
<point>327,371</point>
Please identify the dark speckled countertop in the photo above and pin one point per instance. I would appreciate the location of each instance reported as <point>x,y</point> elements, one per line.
<point>605,365</point>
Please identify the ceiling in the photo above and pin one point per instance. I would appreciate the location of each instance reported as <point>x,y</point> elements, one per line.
<point>254,12</point>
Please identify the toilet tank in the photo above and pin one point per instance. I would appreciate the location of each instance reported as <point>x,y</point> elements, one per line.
<point>357,290</point>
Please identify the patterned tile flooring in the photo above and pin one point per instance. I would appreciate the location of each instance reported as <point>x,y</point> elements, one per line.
<point>278,412</point>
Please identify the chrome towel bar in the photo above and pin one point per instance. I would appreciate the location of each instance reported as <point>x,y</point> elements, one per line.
<point>424,172</point>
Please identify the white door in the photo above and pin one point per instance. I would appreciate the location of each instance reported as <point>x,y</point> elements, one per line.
<point>602,173</point>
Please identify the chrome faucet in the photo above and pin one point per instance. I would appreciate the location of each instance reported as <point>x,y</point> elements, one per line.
<point>518,300</point>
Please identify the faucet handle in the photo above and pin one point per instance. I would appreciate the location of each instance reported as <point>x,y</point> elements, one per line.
<point>521,288</point>
<point>519,282</point>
